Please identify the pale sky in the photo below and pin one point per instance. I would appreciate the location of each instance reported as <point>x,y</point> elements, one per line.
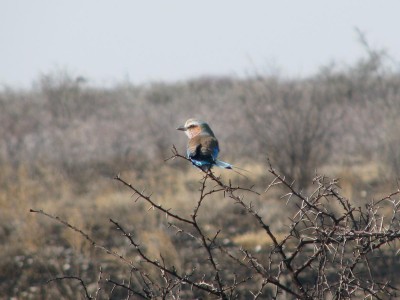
<point>110,41</point>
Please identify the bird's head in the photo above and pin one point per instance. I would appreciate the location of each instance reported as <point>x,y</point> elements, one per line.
<point>194,127</point>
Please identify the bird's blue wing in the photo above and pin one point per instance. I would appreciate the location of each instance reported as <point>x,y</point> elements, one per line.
<point>203,150</point>
<point>214,151</point>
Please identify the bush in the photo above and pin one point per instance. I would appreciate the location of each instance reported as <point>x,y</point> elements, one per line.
<point>328,249</point>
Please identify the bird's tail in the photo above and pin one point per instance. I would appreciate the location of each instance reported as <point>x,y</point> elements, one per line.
<point>222,164</point>
<point>225,165</point>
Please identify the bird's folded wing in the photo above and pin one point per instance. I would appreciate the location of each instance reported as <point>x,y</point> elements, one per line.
<point>203,146</point>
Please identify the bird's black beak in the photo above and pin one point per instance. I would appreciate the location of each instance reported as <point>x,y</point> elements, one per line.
<point>183,128</point>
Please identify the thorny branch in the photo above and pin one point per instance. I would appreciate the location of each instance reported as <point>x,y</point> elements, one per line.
<point>324,254</point>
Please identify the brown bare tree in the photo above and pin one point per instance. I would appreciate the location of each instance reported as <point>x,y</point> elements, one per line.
<point>330,250</point>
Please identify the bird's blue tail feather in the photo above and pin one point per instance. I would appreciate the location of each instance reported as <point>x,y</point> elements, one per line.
<point>222,164</point>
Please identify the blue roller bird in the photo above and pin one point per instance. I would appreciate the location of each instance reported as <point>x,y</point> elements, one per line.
<point>202,147</point>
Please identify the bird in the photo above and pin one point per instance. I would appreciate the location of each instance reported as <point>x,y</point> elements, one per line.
<point>202,148</point>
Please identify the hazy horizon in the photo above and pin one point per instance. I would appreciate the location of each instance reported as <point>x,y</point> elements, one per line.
<point>108,41</point>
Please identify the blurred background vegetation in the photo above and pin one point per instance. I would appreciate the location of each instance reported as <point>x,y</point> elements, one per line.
<point>64,140</point>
